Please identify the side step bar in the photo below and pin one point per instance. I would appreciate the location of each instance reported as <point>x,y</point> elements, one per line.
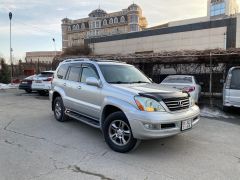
<point>84,119</point>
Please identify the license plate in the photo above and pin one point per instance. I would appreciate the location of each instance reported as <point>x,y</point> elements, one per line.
<point>187,124</point>
<point>38,81</point>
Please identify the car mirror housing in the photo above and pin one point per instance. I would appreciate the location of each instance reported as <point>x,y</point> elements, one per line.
<point>92,81</point>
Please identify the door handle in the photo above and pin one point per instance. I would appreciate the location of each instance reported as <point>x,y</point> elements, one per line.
<point>64,84</point>
<point>79,87</point>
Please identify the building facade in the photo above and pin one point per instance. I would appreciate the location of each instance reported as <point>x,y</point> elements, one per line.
<point>220,29</point>
<point>100,23</point>
<point>41,56</point>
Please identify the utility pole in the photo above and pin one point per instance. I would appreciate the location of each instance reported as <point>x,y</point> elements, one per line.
<point>210,82</point>
<point>10,18</point>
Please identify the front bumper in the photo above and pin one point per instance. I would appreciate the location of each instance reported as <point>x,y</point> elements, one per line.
<point>170,122</point>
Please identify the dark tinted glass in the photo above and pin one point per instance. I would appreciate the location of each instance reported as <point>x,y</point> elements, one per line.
<point>235,82</point>
<point>74,74</point>
<point>123,74</point>
<point>46,74</point>
<point>88,72</point>
<point>62,71</point>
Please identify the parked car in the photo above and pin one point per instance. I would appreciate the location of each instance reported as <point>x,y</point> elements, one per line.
<point>26,84</point>
<point>185,83</point>
<point>42,82</point>
<point>121,101</point>
<point>231,89</point>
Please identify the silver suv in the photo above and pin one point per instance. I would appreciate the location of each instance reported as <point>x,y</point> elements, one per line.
<point>121,101</point>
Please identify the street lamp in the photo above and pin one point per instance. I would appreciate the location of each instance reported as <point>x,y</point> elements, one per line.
<point>10,18</point>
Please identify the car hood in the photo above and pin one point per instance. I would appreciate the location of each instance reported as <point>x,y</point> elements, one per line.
<point>155,91</point>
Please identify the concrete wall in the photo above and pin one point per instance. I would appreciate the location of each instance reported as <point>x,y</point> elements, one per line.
<point>197,40</point>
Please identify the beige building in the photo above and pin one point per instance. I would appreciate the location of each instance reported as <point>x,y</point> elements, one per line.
<point>41,56</point>
<point>219,29</point>
<point>99,23</point>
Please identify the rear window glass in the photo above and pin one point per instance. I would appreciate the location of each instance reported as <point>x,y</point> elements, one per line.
<point>46,74</point>
<point>62,71</point>
<point>171,79</point>
<point>235,82</point>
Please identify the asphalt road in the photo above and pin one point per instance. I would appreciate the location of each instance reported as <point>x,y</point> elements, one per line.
<point>33,145</point>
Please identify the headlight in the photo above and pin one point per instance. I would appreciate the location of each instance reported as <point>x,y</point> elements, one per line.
<point>191,102</point>
<point>148,104</point>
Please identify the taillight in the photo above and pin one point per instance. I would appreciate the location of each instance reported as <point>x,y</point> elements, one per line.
<point>48,79</point>
<point>228,81</point>
<point>189,89</point>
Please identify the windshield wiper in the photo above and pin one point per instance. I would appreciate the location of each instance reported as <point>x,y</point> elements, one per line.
<point>118,82</point>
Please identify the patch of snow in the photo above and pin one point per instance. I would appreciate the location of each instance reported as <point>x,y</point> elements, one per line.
<point>8,86</point>
<point>214,113</point>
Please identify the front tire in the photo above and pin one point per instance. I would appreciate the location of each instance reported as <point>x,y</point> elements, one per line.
<point>59,110</point>
<point>118,134</point>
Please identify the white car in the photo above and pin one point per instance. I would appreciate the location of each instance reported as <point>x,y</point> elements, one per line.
<point>184,82</point>
<point>231,90</point>
<point>43,82</point>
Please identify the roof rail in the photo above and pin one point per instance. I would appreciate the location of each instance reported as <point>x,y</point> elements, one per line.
<point>76,60</point>
<point>90,59</point>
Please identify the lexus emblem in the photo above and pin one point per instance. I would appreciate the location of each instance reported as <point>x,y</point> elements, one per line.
<point>180,103</point>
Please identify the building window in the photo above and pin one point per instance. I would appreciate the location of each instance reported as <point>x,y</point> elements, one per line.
<point>122,20</point>
<point>115,20</point>
<point>218,9</point>
<point>69,28</point>
<point>111,21</point>
<point>83,26</point>
<point>98,24</point>
<point>133,19</point>
<point>133,27</point>
<point>104,22</point>
<point>77,27</point>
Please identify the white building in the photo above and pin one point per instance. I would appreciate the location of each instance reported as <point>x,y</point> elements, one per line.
<point>219,29</point>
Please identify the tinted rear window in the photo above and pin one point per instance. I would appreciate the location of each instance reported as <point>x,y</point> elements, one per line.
<point>170,79</point>
<point>46,74</point>
<point>235,82</point>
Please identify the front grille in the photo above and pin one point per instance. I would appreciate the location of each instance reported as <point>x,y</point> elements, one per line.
<point>177,104</point>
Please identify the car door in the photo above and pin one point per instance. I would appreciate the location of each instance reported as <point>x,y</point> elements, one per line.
<point>71,86</point>
<point>89,98</point>
<point>235,87</point>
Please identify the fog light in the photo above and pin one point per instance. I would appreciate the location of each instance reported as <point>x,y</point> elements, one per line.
<point>152,126</point>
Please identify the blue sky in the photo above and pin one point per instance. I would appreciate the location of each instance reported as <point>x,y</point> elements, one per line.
<point>36,22</point>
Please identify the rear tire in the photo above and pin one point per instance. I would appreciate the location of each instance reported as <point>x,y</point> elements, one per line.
<point>28,90</point>
<point>42,93</point>
<point>59,110</point>
<point>226,108</point>
<point>118,134</point>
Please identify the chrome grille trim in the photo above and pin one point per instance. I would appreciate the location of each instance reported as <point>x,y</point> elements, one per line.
<point>177,104</point>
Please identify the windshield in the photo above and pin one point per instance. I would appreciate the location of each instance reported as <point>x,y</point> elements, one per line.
<point>123,74</point>
<point>235,83</point>
<point>178,79</point>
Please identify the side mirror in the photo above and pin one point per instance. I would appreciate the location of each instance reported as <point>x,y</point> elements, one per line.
<point>92,81</point>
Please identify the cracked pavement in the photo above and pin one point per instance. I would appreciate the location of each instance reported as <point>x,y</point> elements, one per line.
<point>33,145</point>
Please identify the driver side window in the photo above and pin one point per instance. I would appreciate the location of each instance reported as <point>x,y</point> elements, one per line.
<point>88,71</point>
